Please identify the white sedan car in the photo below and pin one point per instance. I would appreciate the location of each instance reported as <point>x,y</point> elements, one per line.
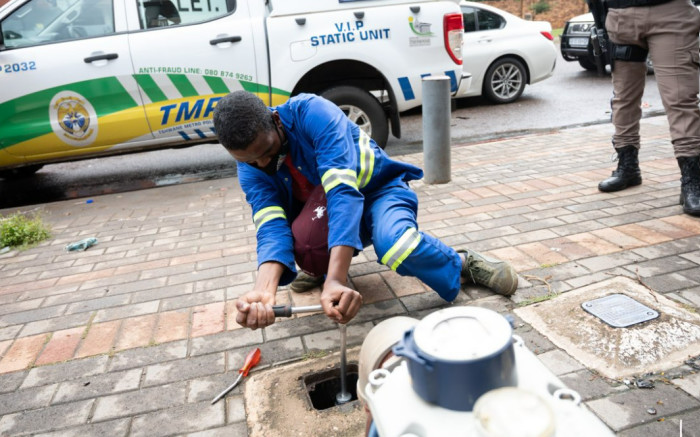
<point>504,53</point>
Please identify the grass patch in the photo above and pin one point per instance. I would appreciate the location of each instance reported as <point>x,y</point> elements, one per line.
<point>556,33</point>
<point>537,299</point>
<point>314,354</point>
<point>23,230</point>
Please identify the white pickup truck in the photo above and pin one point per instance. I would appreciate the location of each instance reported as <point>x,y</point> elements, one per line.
<point>87,78</point>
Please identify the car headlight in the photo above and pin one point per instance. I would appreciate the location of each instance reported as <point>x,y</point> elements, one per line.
<point>580,27</point>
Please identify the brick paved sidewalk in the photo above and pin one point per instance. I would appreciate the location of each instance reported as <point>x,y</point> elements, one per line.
<point>135,335</point>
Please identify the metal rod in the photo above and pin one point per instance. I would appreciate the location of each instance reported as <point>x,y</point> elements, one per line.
<point>307,309</point>
<point>343,396</point>
<point>228,389</point>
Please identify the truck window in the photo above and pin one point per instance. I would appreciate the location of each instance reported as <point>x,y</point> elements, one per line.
<point>43,21</point>
<point>162,13</point>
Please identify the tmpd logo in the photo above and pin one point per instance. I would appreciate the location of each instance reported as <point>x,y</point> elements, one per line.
<point>73,119</point>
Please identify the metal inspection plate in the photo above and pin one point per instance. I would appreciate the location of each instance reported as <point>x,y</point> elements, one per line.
<point>619,310</point>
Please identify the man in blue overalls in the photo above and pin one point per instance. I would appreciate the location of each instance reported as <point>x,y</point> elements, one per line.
<point>299,156</point>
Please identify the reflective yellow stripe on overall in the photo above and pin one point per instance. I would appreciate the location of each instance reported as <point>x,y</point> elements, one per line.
<point>366,161</point>
<point>335,176</point>
<point>266,214</point>
<point>402,249</point>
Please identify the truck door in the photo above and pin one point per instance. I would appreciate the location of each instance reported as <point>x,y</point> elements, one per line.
<point>66,85</point>
<point>187,55</point>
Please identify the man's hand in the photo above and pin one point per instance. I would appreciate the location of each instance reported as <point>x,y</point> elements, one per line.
<point>339,302</point>
<point>255,309</point>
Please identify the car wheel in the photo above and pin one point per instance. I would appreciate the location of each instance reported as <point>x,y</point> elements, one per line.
<point>504,81</point>
<point>363,109</point>
<point>587,63</point>
<point>21,172</point>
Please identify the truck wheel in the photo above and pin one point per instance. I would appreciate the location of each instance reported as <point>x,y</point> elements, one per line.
<point>587,63</point>
<point>21,172</point>
<point>504,81</point>
<point>363,109</point>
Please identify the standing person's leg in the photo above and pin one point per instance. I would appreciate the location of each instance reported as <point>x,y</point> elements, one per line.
<point>390,217</point>
<point>674,53</point>
<point>628,80</point>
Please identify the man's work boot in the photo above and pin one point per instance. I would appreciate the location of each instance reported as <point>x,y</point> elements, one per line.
<point>690,184</point>
<point>627,173</point>
<point>495,274</point>
<point>303,282</point>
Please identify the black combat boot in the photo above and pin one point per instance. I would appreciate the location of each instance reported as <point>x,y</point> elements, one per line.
<point>627,173</point>
<point>690,184</point>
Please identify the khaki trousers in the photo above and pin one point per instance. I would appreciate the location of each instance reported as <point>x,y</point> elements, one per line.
<point>670,32</point>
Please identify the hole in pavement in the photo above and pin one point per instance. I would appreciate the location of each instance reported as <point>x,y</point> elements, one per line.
<point>321,387</point>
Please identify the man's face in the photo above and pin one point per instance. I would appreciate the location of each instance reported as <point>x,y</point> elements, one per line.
<point>264,152</point>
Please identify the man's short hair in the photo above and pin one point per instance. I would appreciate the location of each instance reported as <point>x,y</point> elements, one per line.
<point>239,118</point>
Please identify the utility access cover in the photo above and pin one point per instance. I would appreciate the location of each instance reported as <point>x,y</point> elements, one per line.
<point>619,310</point>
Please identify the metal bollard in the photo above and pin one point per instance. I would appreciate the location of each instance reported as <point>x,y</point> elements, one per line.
<point>436,129</point>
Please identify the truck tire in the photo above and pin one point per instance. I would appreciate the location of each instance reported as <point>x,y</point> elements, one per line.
<point>587,63</point>
<point>21,172</point>
<point>505,81</point>
<point>363,109</point>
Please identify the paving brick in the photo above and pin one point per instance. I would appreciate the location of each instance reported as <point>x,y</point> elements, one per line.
<point>690,384</point>
<point>542,254</point>
<point>239,429</point>
<point>9,332</point>
<point>182,419</point>
<point>172,325</point>
<point>60,347</point>
<point>208,319</point>
<point>144,356</point>
<point>617,238</point>
<point>669,282</point>
<point>88,387</point>
<point>330,340</point>
<point>28,399</point>
<point>99,339</point>
<point>192,300</point>
<point>403,285</point>
<point>668,427</point>
<point>67,371</point>
<point>22,353</point>
<point>135,332</point>
<point>372,288</point>
<point>11,381</point>
<point>594,244</point>
<point>629,408</point>
<point>271,353</point>
<point>113,428</point>
<point>661,266</point>
<point>45,419</point>
<point>226,341</point>
<point>32,315</point>
<point>126,311</point>
<point>559,362</point>
<point>518,259</point>
<point>643,233</point>
<point>184,369</point>
<point>140,401</point>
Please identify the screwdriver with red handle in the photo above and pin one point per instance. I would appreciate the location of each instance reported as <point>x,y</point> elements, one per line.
<point>251,360</point>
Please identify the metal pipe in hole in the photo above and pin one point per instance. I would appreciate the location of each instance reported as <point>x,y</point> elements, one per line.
<point>343,395</point>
